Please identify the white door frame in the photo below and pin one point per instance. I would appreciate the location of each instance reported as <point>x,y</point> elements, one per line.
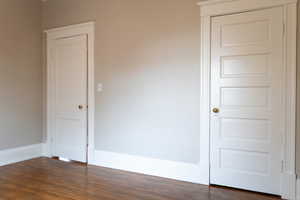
<point>63,32</point>
<point>212,8</point>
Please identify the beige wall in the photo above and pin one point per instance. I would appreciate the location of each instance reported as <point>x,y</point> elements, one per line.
<point>20,73</point>
<point>298,100</point>
<point>147,57</point>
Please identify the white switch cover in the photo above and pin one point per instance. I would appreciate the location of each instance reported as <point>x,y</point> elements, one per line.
<point>99,87</point>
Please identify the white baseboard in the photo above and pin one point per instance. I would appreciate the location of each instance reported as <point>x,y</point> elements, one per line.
<point>289,186</point>
<point>46,150</point>
<point>19,154</point>
<point>163,168</point>
<point>298,189</point>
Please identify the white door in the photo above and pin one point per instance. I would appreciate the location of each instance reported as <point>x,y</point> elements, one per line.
<point>247,100</point>
<point>69,64</point>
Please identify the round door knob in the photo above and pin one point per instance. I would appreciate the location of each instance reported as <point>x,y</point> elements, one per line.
<point>80,107</point>
<point>216,110</point>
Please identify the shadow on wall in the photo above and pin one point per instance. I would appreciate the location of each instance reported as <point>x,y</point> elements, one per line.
<point>20,73</point>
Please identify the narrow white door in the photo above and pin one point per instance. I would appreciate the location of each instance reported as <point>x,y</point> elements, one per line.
<point>247,100</point>
<point>69,60</point>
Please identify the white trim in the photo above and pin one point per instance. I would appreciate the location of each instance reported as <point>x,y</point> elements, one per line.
<point>205,98</point>
<point>268,2</point>
<point>211,2</point>
<point>223,7</point>
<point>46,150</point>
<point>150,166</point>
<point>19,154</point>
<point>298,189</point>
<point>213,8</point>
<point>289,151</point>
<point>68,31</point>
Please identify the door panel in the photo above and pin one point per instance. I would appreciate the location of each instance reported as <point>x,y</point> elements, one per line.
<point>244,129</point>
<point>244,97</point>
<point>70,60</point>
<point>247,87</point>
<point>245,66</point>
<point>241,33</point>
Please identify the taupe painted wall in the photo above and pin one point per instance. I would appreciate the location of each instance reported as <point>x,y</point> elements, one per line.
<point>298,100</point>
<point>147,57</point>
<point>20,73</point>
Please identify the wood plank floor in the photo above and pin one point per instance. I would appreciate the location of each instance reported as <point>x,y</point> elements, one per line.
<point>48,179</point>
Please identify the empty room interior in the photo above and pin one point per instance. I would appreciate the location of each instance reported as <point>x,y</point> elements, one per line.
<point>149,100</point>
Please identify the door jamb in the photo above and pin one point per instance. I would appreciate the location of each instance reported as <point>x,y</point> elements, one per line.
<point>213,8</point>
<point>68,31</point>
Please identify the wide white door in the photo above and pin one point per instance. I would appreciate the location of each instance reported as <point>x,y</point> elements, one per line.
<point>247,100</point>
<point>69,60</point>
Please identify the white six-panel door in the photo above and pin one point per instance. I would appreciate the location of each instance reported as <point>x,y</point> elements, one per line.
<point>69,64</point>
<point>247,100</point>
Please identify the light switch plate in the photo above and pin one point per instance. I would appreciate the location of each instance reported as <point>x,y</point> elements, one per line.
<point>99,87</point>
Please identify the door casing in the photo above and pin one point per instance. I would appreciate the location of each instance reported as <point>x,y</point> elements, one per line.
<point>64,32</point>
<point>212,8</point>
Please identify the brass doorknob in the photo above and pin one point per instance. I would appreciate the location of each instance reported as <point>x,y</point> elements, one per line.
<point>80,107</point>
<point>216,110</point>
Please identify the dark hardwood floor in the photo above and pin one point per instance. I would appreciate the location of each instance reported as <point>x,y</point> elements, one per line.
<point>44,179</point>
